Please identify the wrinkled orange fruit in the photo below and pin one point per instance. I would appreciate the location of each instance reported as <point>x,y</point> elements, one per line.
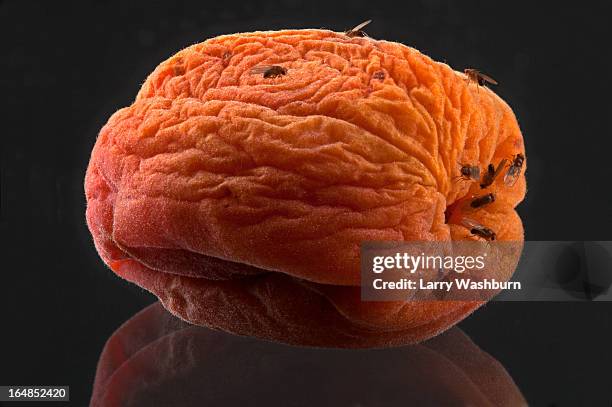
<point>359,140</point>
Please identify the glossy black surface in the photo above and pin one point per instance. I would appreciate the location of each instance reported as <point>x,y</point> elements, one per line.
<point>66,66</point>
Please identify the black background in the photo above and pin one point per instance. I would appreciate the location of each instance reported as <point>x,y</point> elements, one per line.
<point>66,67</point>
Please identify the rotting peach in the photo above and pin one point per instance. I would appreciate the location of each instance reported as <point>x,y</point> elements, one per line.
<point>214,167</point>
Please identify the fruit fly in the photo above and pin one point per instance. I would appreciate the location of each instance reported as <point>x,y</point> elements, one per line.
<point>514,171</point>
<point>269,71</point>
<point>357,30</point>
<point>482,200</point>
<point>469,172</point>
<point>480,79</point>
<point>492,173</point>
<point>227,55</point>
<point>380,75</point>
<point>478,230</point>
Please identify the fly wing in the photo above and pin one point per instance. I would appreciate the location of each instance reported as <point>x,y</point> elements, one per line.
<point>487,78</point>
<point>259,69</point>
<point>500,167</point>
<point>476,173</point>
<point>471,223</point>
<point>359,27</point>
<point>512,176</point>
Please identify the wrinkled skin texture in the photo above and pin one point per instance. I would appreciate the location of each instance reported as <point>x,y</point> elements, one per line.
<point>286,309</point>
<point>156,360</point>
<point>213,163</point>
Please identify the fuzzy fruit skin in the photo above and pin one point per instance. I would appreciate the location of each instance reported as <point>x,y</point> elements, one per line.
<point>212,163</point>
